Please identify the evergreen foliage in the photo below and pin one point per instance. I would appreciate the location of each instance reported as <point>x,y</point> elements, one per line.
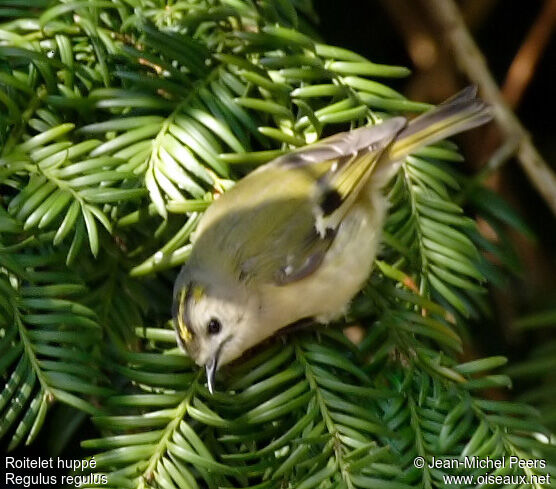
<point>536,370</point>
<point>121,120</point>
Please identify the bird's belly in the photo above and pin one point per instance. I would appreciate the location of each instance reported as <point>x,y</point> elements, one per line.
<point>326,293</point>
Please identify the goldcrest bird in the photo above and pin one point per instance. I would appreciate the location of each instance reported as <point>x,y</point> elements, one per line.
<point>297,237</point>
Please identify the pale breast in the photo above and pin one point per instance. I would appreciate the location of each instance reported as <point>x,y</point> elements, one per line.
<point>326,293</point>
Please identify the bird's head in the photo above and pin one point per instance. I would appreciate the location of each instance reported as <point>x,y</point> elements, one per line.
<point>213,321</point>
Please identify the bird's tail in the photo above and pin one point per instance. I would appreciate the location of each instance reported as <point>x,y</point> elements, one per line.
<point>459,113</point>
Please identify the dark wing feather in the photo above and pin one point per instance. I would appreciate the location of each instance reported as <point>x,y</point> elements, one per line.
<point>295,203</point>
<point>277,224</point>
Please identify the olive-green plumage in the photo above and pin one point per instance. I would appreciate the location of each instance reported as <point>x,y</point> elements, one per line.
<point>297,237</point>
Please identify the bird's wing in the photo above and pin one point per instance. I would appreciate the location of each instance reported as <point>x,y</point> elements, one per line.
<point>274,241</point>
<point>277,224</point>
<point>341,144</point>
<point>340,186</point>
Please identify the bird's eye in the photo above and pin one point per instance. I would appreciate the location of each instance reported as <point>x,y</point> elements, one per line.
<point>214,326</point>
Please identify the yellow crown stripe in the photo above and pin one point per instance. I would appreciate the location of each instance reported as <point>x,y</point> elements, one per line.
<point>185,334</point>
<point>198,292</point>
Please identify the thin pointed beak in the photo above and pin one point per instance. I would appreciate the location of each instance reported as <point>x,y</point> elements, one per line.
<point>211,372</point>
